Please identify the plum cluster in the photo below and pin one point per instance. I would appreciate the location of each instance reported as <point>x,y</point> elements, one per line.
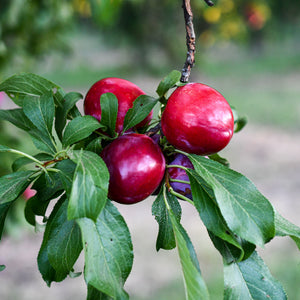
<point>196,119</point>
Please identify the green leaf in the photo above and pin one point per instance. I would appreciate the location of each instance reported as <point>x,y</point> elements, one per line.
<point>78,129</point>
<point>47,187</point>
<point>26,84</point>
<point>239,122</point>
<point>95,145</point>
<point>64,240</point>
<point>65,111</point>
<point>108,252</point>
<point>94,294</point>
<point>168,82</point>
<point>43,142</point>
<point>66,174</point>
<point>17,118</point>
<point>212,218</point>
<point>251,280</point>
<point>229,251</point>
<point>193,281</point>
<point>13,185</point>
<point>142,106</point>
<point>40,111</point>
<point>245,210</point>
<point>286,228</point>
<point>3,213</point>
<point>165,239</point>
<point>2,267</point>
<point>90,186</point>
<point>47,271</point>
<point>218,158</point>
<point>109,111</point>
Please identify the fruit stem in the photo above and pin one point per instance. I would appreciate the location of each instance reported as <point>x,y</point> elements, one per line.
<point>176,166</point>
<point>178,195</point>
<point>180,181</point>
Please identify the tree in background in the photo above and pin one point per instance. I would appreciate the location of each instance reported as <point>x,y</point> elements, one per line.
<point>29,29</point>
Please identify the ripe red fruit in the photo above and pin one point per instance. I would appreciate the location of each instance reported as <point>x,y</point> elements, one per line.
<point>125,91</point>
<point>197,119</point>
<point>180,174</point>
<point>136,166</point>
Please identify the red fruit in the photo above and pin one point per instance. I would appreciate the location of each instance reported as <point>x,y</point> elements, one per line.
<point>136,166</point>
<point>197,119</point>
<point>125,91</point>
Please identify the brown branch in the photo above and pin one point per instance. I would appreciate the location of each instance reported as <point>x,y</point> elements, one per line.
<point>190,41</point>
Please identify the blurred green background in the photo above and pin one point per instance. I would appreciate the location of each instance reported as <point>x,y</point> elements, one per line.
<point>248,50</point>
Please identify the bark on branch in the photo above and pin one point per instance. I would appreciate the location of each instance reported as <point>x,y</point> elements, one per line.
<point>190,39</point>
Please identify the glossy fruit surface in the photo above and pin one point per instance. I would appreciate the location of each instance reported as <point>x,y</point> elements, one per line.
<point>197,119</point>
<point>125,91</point>
<point>136,166</point>
<point>180,174</point>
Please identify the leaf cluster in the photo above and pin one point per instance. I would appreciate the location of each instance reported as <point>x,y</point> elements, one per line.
<point>68,173</point>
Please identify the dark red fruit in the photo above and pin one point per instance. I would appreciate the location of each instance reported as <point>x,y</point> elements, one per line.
<point>197,119</point>
<point>136,166</point>
<point>125,91</point>
<point>180,174</point>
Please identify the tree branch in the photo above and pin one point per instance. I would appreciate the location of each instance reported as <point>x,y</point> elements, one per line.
<point>190,39</point>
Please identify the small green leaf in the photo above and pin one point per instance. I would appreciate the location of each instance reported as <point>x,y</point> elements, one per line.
<point>109,112</point>
<point>90,186</point>
<point>26,84</point>
<point>142,106</point>
<point>245,210</point>
<point>286,228</point>
<point>108,252</point>
<point>239,122</point>
<point>17,118</point>
<point>78,129</point>
<point>65,110</point>
<point>2,267</point>
<point>165,239</point>
<point>193,281</point>
<point>251,280</point>
<point>168,82</point>
<point>40,111</point>
<point>64,240</point>
<point>13,185</point>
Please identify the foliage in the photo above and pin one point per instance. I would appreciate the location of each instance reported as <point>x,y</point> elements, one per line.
<point>67,170</point>
<point>129,21</point>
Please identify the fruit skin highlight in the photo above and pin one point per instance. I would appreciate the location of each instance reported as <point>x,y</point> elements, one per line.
<point>180,174</point>
<point>125,91</point>
<point>197,119</point>
<point>136,166</point>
